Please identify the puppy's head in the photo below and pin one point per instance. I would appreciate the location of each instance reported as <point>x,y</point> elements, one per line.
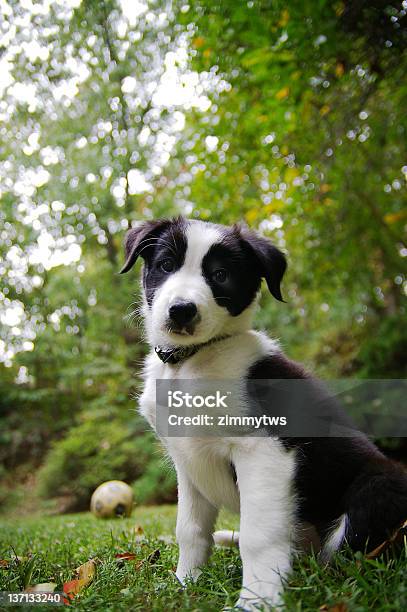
<point>200,280</point>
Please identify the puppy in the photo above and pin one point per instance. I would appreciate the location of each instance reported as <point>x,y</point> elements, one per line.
<point>200,284</point>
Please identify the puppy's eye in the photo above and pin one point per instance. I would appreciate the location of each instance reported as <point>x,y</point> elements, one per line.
<point>220,276</point>
<point>167,265</point>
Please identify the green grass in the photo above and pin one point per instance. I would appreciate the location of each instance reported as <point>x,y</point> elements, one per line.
<point>59,544</point>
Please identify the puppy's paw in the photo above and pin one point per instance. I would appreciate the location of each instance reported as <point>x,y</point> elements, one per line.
<point>251,603</point>
<point>184,576</point>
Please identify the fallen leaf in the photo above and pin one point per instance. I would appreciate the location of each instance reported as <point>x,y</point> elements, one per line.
<point>72,588</point>
<point>87,570</point>
<point>339,607</point>
<point>127,556</point>
<point>4,563</point>
<point>85,574</point>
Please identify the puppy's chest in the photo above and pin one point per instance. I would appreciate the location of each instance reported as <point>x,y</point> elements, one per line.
<point>208,465</point>
<point>206,461</point>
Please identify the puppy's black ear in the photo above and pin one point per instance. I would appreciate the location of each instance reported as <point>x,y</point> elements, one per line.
<point>140,239</point>
<point>271,260</point>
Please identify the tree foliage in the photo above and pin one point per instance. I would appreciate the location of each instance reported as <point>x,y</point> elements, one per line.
<point>289,117</point>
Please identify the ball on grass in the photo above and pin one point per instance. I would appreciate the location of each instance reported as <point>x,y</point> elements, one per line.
<point>112,498</point>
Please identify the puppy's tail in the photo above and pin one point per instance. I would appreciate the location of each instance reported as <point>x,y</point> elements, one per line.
<point>226,538</point>
<point>376,507</point>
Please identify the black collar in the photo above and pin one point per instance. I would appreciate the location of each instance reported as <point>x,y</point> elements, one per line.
<point>176,354</point>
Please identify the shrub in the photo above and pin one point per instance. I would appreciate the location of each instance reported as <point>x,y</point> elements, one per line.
<point>384,350</point>
<point>98,450</point>
<point>157,484</point>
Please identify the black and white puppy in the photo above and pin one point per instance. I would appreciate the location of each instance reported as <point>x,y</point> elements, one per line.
<point>200,284</point>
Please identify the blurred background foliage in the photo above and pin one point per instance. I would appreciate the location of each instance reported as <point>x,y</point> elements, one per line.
<point>290,117</point>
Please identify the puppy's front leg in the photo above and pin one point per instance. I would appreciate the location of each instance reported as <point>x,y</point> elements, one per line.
<point>264,473</point>
<point>195,522</point>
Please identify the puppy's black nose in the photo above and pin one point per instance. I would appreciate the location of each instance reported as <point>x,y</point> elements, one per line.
<point>182,313</point>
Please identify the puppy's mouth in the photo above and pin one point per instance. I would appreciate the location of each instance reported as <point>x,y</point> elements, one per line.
<point>184,330</point>
<point>188,330</point>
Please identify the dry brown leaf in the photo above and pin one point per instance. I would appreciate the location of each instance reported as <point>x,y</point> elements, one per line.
<point>72,588</point>
<point>85,574</point>
<point>339,607</point>
<point>87,570</point>
<point>4,563</point>
<point>127,556</point>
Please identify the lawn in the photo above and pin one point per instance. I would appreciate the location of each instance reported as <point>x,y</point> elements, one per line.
<point>59,544</point>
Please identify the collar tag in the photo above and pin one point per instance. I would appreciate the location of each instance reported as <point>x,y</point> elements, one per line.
<point>175,354</point>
